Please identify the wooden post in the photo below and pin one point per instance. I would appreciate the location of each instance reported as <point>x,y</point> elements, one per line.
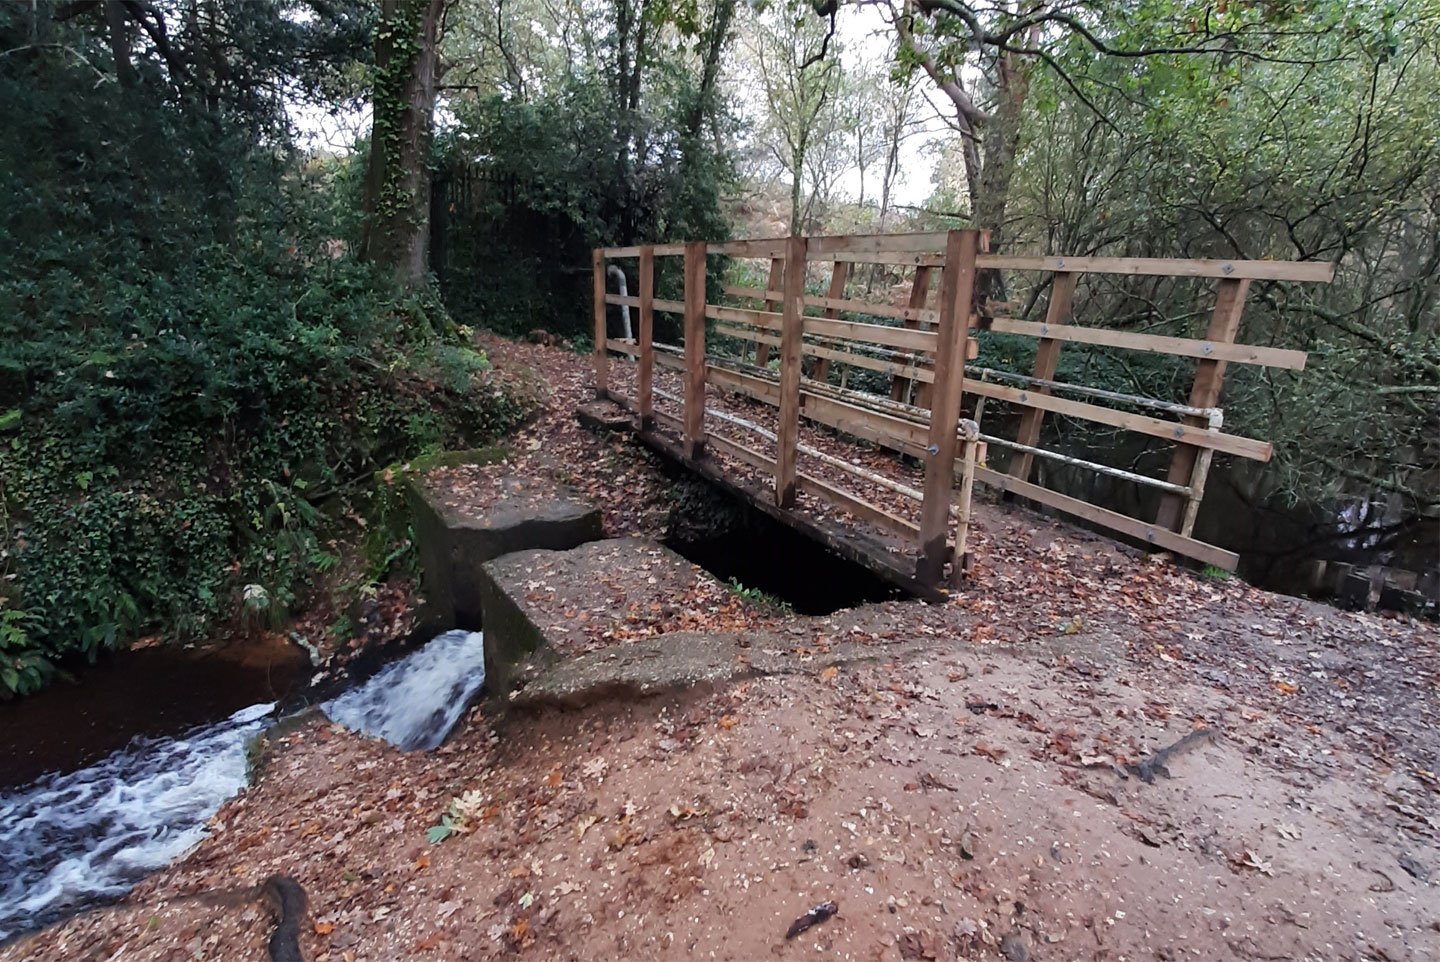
<point>1204,393</point>
<point>961,564</point>
<point>645,387</point>
<point>695,349</point>
<point>957,294</point>
<point>791,337</point>
<point>919,293</point>
<point>772,283</point>
<point>602,356</point>
<point>839,277</point>
<point>1047,355</point>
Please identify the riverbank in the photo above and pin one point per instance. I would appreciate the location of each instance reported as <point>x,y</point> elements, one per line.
<point>972,789</point>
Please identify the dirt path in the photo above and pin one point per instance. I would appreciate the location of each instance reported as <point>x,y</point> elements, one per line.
<point>964,794</point>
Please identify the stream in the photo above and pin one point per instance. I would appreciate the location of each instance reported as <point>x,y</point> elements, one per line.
<point>76,839</point>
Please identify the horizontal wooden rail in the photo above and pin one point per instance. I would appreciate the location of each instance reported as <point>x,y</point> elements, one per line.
<point>911,370</point>
<point>873,333</point>
<point>1135,528</point>
<point>1315,271</point>
<point>822,247</point>
<point>1140,423</point>
<point>772,247</point>
<point>660,250</point>
<point>839,304</point>
<point>1180,346</point>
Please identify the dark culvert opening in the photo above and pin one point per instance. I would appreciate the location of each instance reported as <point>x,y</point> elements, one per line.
<point>741,545</point>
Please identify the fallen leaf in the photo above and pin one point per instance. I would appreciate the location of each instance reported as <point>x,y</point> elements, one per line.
<point>324,928</point>
<point>829,674</point>
<point>728,722</point>
<point>583,824</point>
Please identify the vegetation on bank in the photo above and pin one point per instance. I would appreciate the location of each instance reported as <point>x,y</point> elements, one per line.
<point>197,382</point>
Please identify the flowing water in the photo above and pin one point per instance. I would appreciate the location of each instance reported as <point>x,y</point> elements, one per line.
<point>80,838</point>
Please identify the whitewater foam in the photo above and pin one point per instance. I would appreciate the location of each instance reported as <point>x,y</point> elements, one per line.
<point>75,839</point>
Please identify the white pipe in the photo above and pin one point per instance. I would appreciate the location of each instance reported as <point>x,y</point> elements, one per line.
<point>618,276</point>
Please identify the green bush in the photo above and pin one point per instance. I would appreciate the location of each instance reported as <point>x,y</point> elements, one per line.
<point>190,443</point>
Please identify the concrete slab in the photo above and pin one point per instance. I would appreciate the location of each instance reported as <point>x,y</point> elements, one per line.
<point>458,530</point>
<point>590,597</point>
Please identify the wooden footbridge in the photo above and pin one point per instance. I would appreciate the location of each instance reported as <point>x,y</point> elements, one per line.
<point>793,398</point>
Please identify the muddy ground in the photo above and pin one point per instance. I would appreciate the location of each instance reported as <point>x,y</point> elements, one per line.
<point>971,785</point>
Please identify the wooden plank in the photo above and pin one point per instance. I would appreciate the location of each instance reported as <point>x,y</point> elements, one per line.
<point>791,339</point>
<point>770,247</point>
<point>893,368</point>
<point>1047,356</point>
<point>668,250</point>
<point>669,307</point>
<point>920,313</point>
<point>957,293</point>
<point>1113,520</point>
<point>1139,423</point>
<point>758,388</point>
<point>1180,346</point>
<point>741,452</point>
<point>853,306</point>
<point>1309,271</point>
<point>857,506</point>
<point>839,277</point>
<point>745,315</point>
<point>645,388</point>
<point>891,432</point>
<point>670,361</point>
<point>901,260</point>
<point>631,300</point>
<point>919,294</point>
<point>695,349</point>
<point>617,346</point>
<point>602,359</point>
<point>872,333</point>
<point>774,281</point>
<point>932,242</point>
<point>969,457</point>
<point>1204,393</point>
<point>844,357</point>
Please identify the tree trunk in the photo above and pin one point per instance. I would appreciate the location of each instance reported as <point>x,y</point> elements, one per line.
<point>397,182</point>
<point>1002,141</point>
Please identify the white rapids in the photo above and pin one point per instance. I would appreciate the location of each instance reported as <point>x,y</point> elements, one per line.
<point>78,838</point>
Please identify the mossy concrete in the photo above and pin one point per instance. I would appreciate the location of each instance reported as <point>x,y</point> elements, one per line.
<point>454,543</point>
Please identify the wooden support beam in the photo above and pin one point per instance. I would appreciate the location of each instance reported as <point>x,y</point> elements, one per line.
<point>1204,393</point>
<point>695,349</point>
<point>1189,434</point>
<point>857,506</point>
<point>1047,356</point>
<point>602,358</point>
<point>846,304</point>
<point>645,387</point>
<point>839,277</point>
<point>957,294</point>
<point>919,294</point>
<point>973,451</point>
<point>1158,343</point>
<point>872,333</point>
<point>773,285</point>
<point>791,339</point>
<point>1161,538</point>
<point>1313,271</point>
